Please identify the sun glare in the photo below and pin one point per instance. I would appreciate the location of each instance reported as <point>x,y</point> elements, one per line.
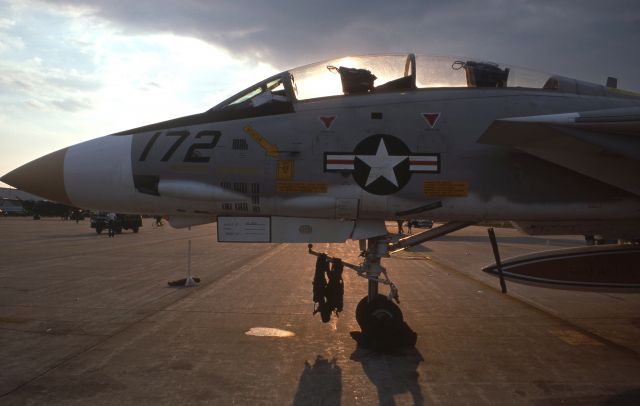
<point>153,78</point>
<point>73,77</point>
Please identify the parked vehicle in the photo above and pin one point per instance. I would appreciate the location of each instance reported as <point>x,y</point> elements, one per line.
<point>100,222</point>
<point>421,223</point>
<point>12,207</point>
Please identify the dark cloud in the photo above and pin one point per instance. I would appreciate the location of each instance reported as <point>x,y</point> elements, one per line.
<point>588,39</point>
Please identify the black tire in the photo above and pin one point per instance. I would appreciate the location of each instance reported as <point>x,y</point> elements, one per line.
<point>98,230</point>
<point>135,229</point>
<point>380,314</point>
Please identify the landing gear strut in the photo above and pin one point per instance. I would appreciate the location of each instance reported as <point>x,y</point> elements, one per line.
<point>377,313</point>
<point>375,250</point>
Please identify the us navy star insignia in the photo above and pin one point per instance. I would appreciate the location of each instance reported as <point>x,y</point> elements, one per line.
<point>381,164</point>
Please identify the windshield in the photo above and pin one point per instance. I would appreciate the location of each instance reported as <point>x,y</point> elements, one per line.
<point>376,73</point>
<point>265,92</point>
<point>380,73</point>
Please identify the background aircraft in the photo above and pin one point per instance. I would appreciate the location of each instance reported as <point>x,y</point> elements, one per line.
<point>329,151</point>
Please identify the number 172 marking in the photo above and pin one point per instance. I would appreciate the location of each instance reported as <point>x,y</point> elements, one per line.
<point>193,154</point>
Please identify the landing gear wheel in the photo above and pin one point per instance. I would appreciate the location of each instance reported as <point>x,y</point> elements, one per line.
<point>380,314</point>
<point>383,326</point>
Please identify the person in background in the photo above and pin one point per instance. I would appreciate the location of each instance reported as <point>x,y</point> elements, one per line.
<point>111,220</point>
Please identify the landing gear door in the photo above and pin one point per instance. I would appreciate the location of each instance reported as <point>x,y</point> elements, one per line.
<point>347,208</point>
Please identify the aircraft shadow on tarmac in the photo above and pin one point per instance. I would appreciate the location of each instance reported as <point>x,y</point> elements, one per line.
<point>393,373</point>
<point>320,383</point>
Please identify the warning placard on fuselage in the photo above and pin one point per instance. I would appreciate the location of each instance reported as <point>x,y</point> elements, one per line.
<point>244,229</point>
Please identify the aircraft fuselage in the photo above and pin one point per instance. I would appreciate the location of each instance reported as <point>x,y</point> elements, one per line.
<point>366,154</point>
<point>474,181</point>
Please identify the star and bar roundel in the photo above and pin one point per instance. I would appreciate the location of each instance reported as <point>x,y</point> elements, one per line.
<point>381,164</point>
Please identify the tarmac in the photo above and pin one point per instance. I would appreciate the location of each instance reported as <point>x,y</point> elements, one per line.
<point>88,319</point>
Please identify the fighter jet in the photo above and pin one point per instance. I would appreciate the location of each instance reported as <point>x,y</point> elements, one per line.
<point>328,151</point>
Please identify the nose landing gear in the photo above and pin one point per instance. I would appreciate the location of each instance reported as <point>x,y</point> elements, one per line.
<point>379,318</point>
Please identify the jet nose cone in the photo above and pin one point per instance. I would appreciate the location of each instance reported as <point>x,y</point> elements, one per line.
<point>42,177</point>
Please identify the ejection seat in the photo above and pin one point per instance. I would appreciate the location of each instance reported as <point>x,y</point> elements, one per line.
<point>354,80</point>
<point>483,74</point>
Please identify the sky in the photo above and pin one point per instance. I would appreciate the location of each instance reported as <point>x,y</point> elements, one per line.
<point>72,70</point>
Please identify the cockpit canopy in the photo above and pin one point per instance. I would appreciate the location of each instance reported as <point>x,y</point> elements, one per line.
<point>385,73</point>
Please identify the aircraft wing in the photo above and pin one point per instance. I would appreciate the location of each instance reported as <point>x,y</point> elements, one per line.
<point>602,144</point>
